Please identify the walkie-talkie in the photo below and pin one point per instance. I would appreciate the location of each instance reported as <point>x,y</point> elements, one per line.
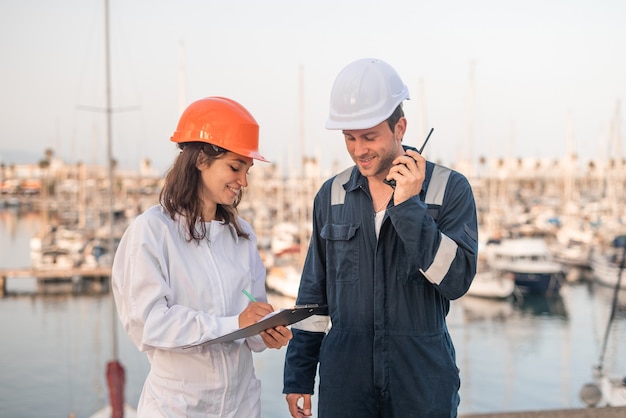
<point>392,182</point>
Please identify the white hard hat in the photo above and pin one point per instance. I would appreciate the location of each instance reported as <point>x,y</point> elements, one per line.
<point>365,93</point>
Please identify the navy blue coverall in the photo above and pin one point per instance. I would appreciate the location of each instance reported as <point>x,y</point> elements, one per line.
<point>388,352</point>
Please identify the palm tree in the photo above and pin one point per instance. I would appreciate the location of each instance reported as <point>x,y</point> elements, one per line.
<point>46,187</point>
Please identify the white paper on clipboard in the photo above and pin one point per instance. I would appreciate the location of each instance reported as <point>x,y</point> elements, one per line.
<point>282,317</point>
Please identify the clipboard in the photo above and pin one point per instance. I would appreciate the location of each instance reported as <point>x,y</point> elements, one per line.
<point>282,317</point>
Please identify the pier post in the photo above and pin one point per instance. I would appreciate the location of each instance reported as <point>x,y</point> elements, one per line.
<point>3,286</point>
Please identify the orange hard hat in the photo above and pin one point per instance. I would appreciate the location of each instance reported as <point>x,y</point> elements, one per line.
<point>222,122</point>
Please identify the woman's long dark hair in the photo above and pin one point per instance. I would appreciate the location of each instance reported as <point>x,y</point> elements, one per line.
<point>181,192</point>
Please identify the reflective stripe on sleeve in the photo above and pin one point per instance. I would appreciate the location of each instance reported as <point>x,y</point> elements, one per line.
<point>315,323</point>
<point>443,260</point>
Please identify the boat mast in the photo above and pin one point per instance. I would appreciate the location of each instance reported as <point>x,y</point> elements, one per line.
<point>181,78</point>
<point>302,192</point>
<point>109,112</point>
<point>115,373</point>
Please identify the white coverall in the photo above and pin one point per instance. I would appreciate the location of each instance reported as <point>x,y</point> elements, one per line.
<point>171,293</point>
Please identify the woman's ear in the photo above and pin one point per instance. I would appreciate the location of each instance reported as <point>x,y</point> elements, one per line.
<point>200,160</point>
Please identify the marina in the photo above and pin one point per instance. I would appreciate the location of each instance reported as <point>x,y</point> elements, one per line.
<point>520,349</point>
<point>541,332</point>
<point>520,355</point>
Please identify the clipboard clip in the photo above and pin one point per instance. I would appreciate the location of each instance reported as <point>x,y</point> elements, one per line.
<point>313,307</point>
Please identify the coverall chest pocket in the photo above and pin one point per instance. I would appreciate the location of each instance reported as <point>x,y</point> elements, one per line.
<point>342,252</point>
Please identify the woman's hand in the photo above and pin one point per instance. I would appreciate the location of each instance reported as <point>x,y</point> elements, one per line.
<point>253,313</point>
<point>276,337</point>
<point>273,337</point>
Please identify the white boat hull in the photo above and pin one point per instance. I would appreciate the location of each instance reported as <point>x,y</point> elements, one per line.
<point>492,284</point>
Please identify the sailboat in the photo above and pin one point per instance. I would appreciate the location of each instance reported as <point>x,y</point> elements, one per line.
<point>608,389</point>
<point>605,263</point>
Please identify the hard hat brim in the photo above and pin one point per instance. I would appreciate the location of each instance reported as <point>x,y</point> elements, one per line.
<point>336,123</point>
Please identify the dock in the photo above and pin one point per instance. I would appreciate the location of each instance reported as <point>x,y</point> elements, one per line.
<point>94,278</point>
<point>604,412</point>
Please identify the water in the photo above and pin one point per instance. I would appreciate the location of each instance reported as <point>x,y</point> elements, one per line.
<point>532,355</point>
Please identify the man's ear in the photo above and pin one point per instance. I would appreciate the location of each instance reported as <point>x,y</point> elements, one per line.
<point>400,128</point>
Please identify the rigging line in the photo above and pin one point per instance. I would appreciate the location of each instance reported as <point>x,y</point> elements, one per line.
<point>613,307</point>
<point>89,56</point>
<point>71,377</point>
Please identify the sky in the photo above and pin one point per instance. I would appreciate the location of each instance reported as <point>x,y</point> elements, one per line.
<point>494,78</point>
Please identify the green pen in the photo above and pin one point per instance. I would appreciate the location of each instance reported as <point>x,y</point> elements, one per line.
<point>245,292</point>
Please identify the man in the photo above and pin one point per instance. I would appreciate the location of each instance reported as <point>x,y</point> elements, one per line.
<point>387,262</point>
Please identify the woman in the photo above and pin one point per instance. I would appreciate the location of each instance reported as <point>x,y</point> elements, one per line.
<point>181,268</point>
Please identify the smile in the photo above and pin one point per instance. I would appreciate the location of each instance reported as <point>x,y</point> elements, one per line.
<point>365,162</point>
